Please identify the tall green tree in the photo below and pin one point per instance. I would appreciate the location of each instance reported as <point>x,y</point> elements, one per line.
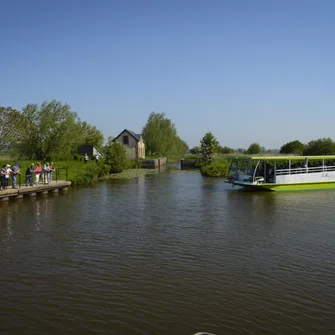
<point>209,145</point>
<point>91,135</point>
<point>51,130</point>
<point>254,148</point>
<point>321,146</point>
<point>10,126</point>
<point>161,138</point>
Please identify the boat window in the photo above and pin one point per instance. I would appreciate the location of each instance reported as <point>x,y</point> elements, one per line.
<point>242,167</point>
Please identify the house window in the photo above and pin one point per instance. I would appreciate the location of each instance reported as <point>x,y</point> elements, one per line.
<point>126,140</point>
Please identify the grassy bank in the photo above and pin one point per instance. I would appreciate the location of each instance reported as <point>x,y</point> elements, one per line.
<point>80,173</point>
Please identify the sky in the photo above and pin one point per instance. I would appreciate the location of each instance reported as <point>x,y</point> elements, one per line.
<point>246,70</point>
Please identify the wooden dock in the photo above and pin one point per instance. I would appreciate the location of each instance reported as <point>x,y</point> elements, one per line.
<point>32,191</point>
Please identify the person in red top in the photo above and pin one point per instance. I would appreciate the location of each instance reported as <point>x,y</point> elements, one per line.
<point>38,171</point>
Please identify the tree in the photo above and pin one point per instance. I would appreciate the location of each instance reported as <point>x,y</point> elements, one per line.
<point>226,150</point>
<point>195,150</point>
<point>293,147</point>
<point>116,157</point>
<point>10,126</point>
<point>209,146</point>
<point>322,146</point>
<point>160,136</point>
<point>49,130</point>
<point>254,148</point>
<point>91,135</point>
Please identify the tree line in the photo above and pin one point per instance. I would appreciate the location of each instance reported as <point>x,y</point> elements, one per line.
<point>53,130</point>
<point>44,131</point>
<point>321,146</point>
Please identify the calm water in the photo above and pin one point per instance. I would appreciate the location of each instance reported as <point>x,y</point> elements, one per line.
<point>170,254</point>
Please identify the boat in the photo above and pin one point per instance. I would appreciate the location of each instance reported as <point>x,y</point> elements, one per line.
<point>283,173</point>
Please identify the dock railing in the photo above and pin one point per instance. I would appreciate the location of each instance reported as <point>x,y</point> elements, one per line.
<point>62,174</point>
<point>59,174</point>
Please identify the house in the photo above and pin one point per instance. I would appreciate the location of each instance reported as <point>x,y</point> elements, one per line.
<point>90,150</point>
<point>133,143</point>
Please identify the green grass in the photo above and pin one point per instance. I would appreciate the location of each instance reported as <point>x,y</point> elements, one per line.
<point>79,173</point>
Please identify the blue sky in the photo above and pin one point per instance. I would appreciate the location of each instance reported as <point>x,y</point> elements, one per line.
<point>249,71</point>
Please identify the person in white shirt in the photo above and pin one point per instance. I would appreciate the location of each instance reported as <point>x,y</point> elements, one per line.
<point>9,171</point>
<point>46,171</point>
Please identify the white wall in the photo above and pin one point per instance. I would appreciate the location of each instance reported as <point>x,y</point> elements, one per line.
<point>306,177</point>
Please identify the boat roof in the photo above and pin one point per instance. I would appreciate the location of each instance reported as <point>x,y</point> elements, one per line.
<point>282,158</point>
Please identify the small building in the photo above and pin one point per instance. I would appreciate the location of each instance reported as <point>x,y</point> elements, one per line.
<point>133,143</point>
<point>90,150</point>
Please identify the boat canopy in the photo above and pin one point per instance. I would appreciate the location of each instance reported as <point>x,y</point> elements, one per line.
<point>282,158</point>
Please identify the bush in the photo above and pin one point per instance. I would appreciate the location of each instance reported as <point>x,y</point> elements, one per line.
<point>78,157</point>
<point>192,156</point>
<point>215,169</point>
<point>116,157</point>
<point>134,164</point>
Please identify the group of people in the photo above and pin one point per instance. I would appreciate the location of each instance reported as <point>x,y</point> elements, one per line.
<point>96,158</point>
<point>33,174</point>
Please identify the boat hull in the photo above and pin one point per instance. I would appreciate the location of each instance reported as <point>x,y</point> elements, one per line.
<point>272,187</point>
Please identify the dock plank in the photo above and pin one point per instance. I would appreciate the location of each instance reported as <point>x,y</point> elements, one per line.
<point>26,190</point>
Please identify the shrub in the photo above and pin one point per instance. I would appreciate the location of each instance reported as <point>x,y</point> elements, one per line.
<point>116,157</point>
<point>215,169</point>
<point>192,156</point>
<point>134,164</point>
<point>78,157</point>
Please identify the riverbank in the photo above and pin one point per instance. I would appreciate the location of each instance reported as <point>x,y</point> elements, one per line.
<point>218,168</point>
<point>80,174</point>
<point>131,173</point>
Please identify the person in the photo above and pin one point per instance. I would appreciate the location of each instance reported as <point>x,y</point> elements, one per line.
<point>96,158</point>
<point>3,173</point>
<point>85,158</point>
<point>45,173</point>
<point>51,169</point>
<point>15,172</point>
<point>29,173</point>
<point>9,171</point>
<point>38,171</point>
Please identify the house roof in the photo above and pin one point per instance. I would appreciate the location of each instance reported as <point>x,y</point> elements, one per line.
<point>137,137</point>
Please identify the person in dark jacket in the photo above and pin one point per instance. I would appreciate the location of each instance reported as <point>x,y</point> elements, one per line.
<point>29,174</point>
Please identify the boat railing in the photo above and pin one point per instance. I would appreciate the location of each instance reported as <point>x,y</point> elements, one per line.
<point>312,169</point>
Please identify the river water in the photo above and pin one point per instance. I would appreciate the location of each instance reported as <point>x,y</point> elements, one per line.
<point>173,253</point>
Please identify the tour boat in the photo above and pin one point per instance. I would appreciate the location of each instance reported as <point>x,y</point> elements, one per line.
<point>283,173</point>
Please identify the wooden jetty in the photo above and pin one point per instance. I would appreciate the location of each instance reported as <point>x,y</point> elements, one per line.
<point>32,191</point>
